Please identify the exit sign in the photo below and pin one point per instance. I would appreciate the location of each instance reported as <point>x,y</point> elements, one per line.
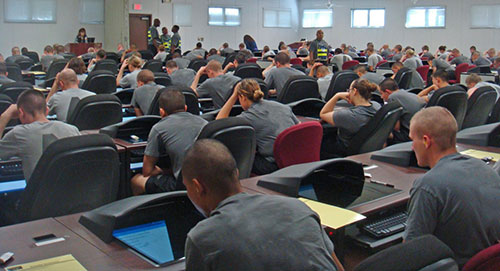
<point>137,7</point>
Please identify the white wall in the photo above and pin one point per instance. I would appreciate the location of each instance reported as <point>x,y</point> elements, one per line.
<point>457,32</point>
<point>251,22</point>
<point>35,36</point>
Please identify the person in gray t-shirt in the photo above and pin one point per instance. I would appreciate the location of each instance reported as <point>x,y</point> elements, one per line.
<point>373,59</point>
<point>457,199</point>
<point>134,65</point>
<point>59,102</point>
<point>479,60</point>
<point>324,77</point>
<point>278,73</point>
<point>370,76</point>
<point>143,95</point>
<point>340,58</point>
<point>29,139</point>
<point>3,74</point>
<point>172,136</point>
<point>182,77</point>
<point>411,60</point>
<point>176,39</point>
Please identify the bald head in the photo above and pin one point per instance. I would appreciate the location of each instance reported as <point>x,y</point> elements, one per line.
<point>437,123</point>
<point>68,79</point>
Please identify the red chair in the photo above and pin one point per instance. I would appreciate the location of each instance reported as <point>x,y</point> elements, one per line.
<point>298,144</point>
<point>458,70</point>
<point>423,71</point>
<point>296,61</point>
<point>349,64</point>
<point>382,62</point>
<point>252,60</point>
<point>487,259</point>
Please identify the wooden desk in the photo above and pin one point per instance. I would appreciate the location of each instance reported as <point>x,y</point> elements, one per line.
<point>82,48</point>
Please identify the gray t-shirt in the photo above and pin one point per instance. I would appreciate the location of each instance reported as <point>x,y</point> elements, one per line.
<point>269,119</point>
<point>442,65</point>
<point>373,77</point>
<point>218,88</point>
<point>196,53</point>
<point>46,60</point>
<point>161,56</point>
<point>459,60</point>
<point>340,59</point>
<point>14,58</point>
<point>413,62</point>
<point>226,51</point>
<point>143,96</point>
<point>385,53</point>
<point>259,232</point>
<point>397,57</point>
<point>130,80</point>
<point>482,61</point>
<point>182,63</point>
<point>350,120</point>
<point>4,80</point>
<point>276,78</point>
<point>323,84</point>
<point>183,77</point>
<point>59,102</point>
<point>173,136</point>
<point>154,34</point>
<point>374,59</point>
<point>176,40</point>
<point>219,58</point>
<point>28,141</point>
<point>411,104</point>
<point>457,201</point>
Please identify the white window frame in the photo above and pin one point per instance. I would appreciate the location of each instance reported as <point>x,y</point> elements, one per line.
<point>175,13</point>
<point>426,8</point>
<point>224,16</point>
<point>83,19</point>
<point>317,9</point>
<point>277,15</point>
<point>368,24</point>
<point>30,7</point>
<point>491,24</point>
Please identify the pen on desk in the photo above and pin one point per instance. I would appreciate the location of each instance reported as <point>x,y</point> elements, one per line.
<point>382,183</point>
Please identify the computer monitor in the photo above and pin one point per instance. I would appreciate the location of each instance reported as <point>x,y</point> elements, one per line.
<point>399,154</point>
<point>484,135</point>
<point>91,39</point>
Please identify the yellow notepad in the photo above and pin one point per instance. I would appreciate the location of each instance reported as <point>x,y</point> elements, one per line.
<point>61,263</point>
<point>481,154</point>
<point>332,216</point>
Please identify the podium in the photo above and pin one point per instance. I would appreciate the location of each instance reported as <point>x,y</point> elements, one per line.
<point>81,48</point>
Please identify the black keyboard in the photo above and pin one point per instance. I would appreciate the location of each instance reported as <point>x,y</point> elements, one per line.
<point>10,170</point>
<point>385,226</point>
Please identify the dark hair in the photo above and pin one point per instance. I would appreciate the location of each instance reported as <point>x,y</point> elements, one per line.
<point>337,51</point>
<point>171,64</point>
<point>101,53</point>
<point>282,58</point>
<point>473,47</point>
<point>82,30</point>
<point>425,47</point>
<point>225,45</point>
<point>364,87</point>
<point>77,65</point>
<point>172,100</point>
<point>240,58</point>
<point>399,47</point>
<point>248,38</point>
<point>212,51</point>
<point>48,49</point>
<point>145,76</point>
<point>32,102</point>
<point>441,74</point>
<point>24,50</point>
<point>175,28</point>
<point>198,45</point>
<point>442,48</point>
<point>389,84</point>
<point>211,163</point>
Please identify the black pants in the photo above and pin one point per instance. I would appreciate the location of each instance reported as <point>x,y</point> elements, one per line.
<point>152,48</point>
<point>261,166</point>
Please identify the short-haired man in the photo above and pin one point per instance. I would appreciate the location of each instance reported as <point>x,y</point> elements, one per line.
<point>441,53</point>
<point>145,92</point>
<point>243,50</point>
<point>324,77</point>
<point>278,73</point>
<point>384,51</point>
<point>213,54</point>
<point>425,52</point>
<point>218,86</point>
<point>172,136</point>
<point>48,57</point>
<point>288,235</point>
<point>439,80</point>
<point>416,80</point>
<point>153,37</point>
<point>457,200</point>
<point>340,58</point>
<point>166,40</point>
<point>239,59</point>
<point>36,132</point>
<point>176,39</point>
<point>474,81</point>
<point>318,50</point>
<point>59,102</point>
<point>182,63</point>
<point>162,54</point>
<point>226,50</point>
<point>458,58</point>
<point>197,53</point>
<point>410,102</point>
<point>16,55</point>
<point>370,76</point>
<point>479,60</point>
<point>100,55</point>
<point>397,54</point>
<point>182,77</point>
<point>3,74</point>
<point>372,58</point>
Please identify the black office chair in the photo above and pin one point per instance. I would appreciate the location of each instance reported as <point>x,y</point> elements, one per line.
<point>373,135</point>
<point>25,63</point>
<point>55,67</point>
<point>95,112</point>
<point>192,104</point>
<point>403,77</point>
<point>248,70</point>
<point>415,90</point>
<point>68,56</point>
<point>479,106</point>
<point>454,99</point>
<point>300,68</point>
<point>235,111</point>
<point>495,113</point>
<point>74,174</point>
<point>153,65</point>
<point>163,79</point>
<point>14,89</point>
<point>230,58</point>
<point>197,63</point>
<point>14,72</point>
<point>125,95</point>
<point>100,82</point>
<point>146,54</point>
<point>140,126</point>
<point>238,135</point>
<point>263,87</point>
<point>113,56</point>
<point>5,102</point>
<point>106,65</point>
<point>298,87</point>
<point>33,56</point>
<point>340,82</point>
<point>425,253</point>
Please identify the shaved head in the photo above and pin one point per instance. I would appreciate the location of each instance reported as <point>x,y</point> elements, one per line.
<point>438,123</point>
<point>68,77</point>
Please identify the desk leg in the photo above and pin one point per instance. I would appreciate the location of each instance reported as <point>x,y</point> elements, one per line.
<point>124,189</point>
<point>338,239</point>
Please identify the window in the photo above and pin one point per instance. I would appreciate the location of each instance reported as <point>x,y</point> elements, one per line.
<point>182,14</point>
<point>485,16</point>
<point>30,11</point>
<point>277,18</point>
<point>425,17</point>
<point>92,11</point>
<point>317,18</point>
<point>223,16</point>
<point>361,18</point>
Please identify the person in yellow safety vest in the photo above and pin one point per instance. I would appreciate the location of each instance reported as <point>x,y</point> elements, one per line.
<point>319,48</point>
<point>154,37</point>
<point>166,39</point>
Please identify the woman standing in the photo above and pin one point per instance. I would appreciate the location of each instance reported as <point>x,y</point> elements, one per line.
<point>82,36</point>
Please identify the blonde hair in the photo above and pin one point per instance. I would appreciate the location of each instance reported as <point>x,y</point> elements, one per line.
<point>135,61</point>
<point>250,89</point>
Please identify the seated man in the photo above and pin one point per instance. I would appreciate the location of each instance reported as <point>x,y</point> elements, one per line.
<point>457,200</point>
<point>172,136</point>
<point>218,86</point>
<point>474,82</point>
<point>247,232</point>
<point>197,53</point>
<point>458,58</point>
<point>411,61</point>
<point>3,74</point>
<point>100,55</point>
<point>416,80</point>
<point>182,63</point>
<point>372,58</point>
<point>397,54</point>
<point>225,50</point>
<point>59,102</point>
<point>370,76</point>
<point>439,80</point>
<point>384,51</point>
<point>213,54</point>
<point>29,139</point>
<point>479,60</point>
<point>182,77</point>
<point>340,58</point>
<point>324,77</point>
<point>16,55</point>
<point>240,58</point>
<point>278,73</point>
<point>145,92</point>
<point>48,57</point>
<point>410,102</point>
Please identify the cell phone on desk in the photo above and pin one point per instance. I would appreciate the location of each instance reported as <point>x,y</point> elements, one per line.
<point>47,239</point>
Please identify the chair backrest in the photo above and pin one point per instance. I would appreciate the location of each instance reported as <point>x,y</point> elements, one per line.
<point>382,63</point>
<point>298,144</point>
<point>95,112</point>
<point>192,104</point>
<point>423,71</point>
<point>25,63</point>
<point>230,58</point>
<point>495,113</point>
<point>487,259</point>
<point>296,61</point>
<point>403,78</point>
<point>374,134</point>
<point>100,82</point>
<point>140,127</point>
<point>163,79</point>
<point>74,174</point>
<point>55,67</point>
<point>300,68</point>
<point>460,69</point>
<point>252,60</point>
<point>113,56</point>
<point>454,99</point>
<point>340,82</point>
<point>349,65</point>
<point>298,87</point>
<point>248,70</point>
<point>14,89</point>
<point>410,256</point>
<point>153,65</point>
<point>5,102</point>
<point>146,54</point>
<point>197,63</point>
<point>106,64</point>
<point>263,87</point>
<point>33,55</point>
<point>14,71</point>
<point>125,95</point>
<point>238,135</point>
<point>479,107</point>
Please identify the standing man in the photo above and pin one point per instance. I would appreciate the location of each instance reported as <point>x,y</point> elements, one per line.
<point>319,48</point>
<point>176,39</point>
<point>153,37</point>
<point>166,39</point>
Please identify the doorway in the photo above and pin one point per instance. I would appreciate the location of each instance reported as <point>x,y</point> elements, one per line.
<point>138,28</point>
